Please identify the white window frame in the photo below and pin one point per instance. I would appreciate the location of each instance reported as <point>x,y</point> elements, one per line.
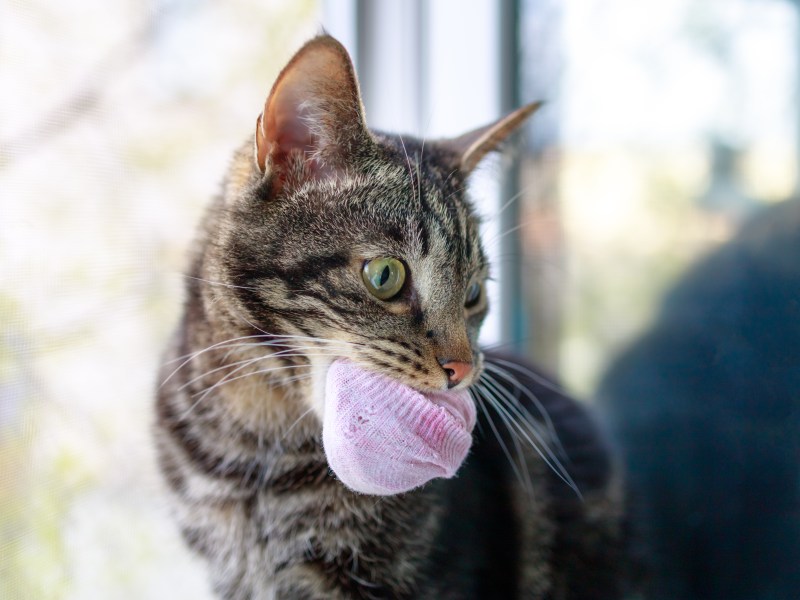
<point>435,69</point>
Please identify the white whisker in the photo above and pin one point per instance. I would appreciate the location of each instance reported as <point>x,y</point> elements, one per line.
<point>219,283</point>
<point>204,393</point>
<point>535,376</point>
<point>541,448</point>
<point>273,340</point>
<point>497,370</point>
<point>300,418</point>
<point>410,170</point>
<point>495,216</point>
<point>515,439</point>
<point>479,392</point>
<point>489,243</point>
<point>194,355</point>
<point>294,351</point>
<point>227,378</point>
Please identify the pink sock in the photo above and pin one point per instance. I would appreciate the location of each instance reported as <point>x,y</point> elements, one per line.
<point>382,437</point>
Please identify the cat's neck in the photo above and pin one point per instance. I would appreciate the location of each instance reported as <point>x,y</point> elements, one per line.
<point>243,380</point>
<point>276,412</point>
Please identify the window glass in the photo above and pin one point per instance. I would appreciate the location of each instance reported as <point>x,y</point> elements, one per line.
<point>666,127</point>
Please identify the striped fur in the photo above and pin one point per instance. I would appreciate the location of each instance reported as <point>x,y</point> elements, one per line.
<point>274,295</point>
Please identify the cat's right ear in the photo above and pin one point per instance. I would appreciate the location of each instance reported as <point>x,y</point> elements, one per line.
<point>313,120</point>
<point>469,149</point>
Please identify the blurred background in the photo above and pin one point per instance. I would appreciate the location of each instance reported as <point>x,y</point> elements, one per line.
<point>667,125</point>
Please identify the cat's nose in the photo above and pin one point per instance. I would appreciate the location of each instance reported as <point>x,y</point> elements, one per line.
<point>456,370</point>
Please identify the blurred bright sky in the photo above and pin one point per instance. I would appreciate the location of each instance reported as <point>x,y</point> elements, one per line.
<point>662,73</point>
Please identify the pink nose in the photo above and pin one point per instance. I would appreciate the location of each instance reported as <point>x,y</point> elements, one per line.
<point>456,371</point>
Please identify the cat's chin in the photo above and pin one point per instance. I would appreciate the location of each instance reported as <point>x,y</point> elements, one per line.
<point>383,437</point>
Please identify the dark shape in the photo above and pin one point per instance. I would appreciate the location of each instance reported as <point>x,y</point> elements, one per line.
<point>590,552</point>
<point>707,407</point>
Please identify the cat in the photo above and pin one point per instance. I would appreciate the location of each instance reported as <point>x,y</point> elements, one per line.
<point>314,416</point>
<point>705,405</point>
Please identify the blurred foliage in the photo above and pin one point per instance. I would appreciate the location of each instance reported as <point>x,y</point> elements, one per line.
<point>121,130</point>
<point>633,224</point>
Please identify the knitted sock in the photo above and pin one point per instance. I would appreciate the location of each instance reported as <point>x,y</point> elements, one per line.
<point>382,437</point>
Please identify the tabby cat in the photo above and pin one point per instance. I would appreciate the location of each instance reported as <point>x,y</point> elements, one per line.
<point>314,406</point>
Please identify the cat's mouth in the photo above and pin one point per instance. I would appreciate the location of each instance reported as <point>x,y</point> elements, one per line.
<point>384,437</point>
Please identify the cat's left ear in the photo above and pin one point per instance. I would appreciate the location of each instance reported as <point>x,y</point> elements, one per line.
<point>470,148</point>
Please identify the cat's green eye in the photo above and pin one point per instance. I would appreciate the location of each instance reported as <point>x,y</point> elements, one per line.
<point>473,294</point>
<point>384,277</point>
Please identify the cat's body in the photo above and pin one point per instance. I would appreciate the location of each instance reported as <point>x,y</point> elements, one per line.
<point>275,296</point>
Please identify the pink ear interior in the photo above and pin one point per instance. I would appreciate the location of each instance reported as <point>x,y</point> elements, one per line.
<point>286,128</point>
<point>314,111</point>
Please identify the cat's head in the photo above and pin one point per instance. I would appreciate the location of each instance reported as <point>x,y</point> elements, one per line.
<point>362,245</point>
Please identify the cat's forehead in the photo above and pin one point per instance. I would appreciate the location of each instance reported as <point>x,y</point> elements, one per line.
<point>406,204</point>
<point>427,163</point>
